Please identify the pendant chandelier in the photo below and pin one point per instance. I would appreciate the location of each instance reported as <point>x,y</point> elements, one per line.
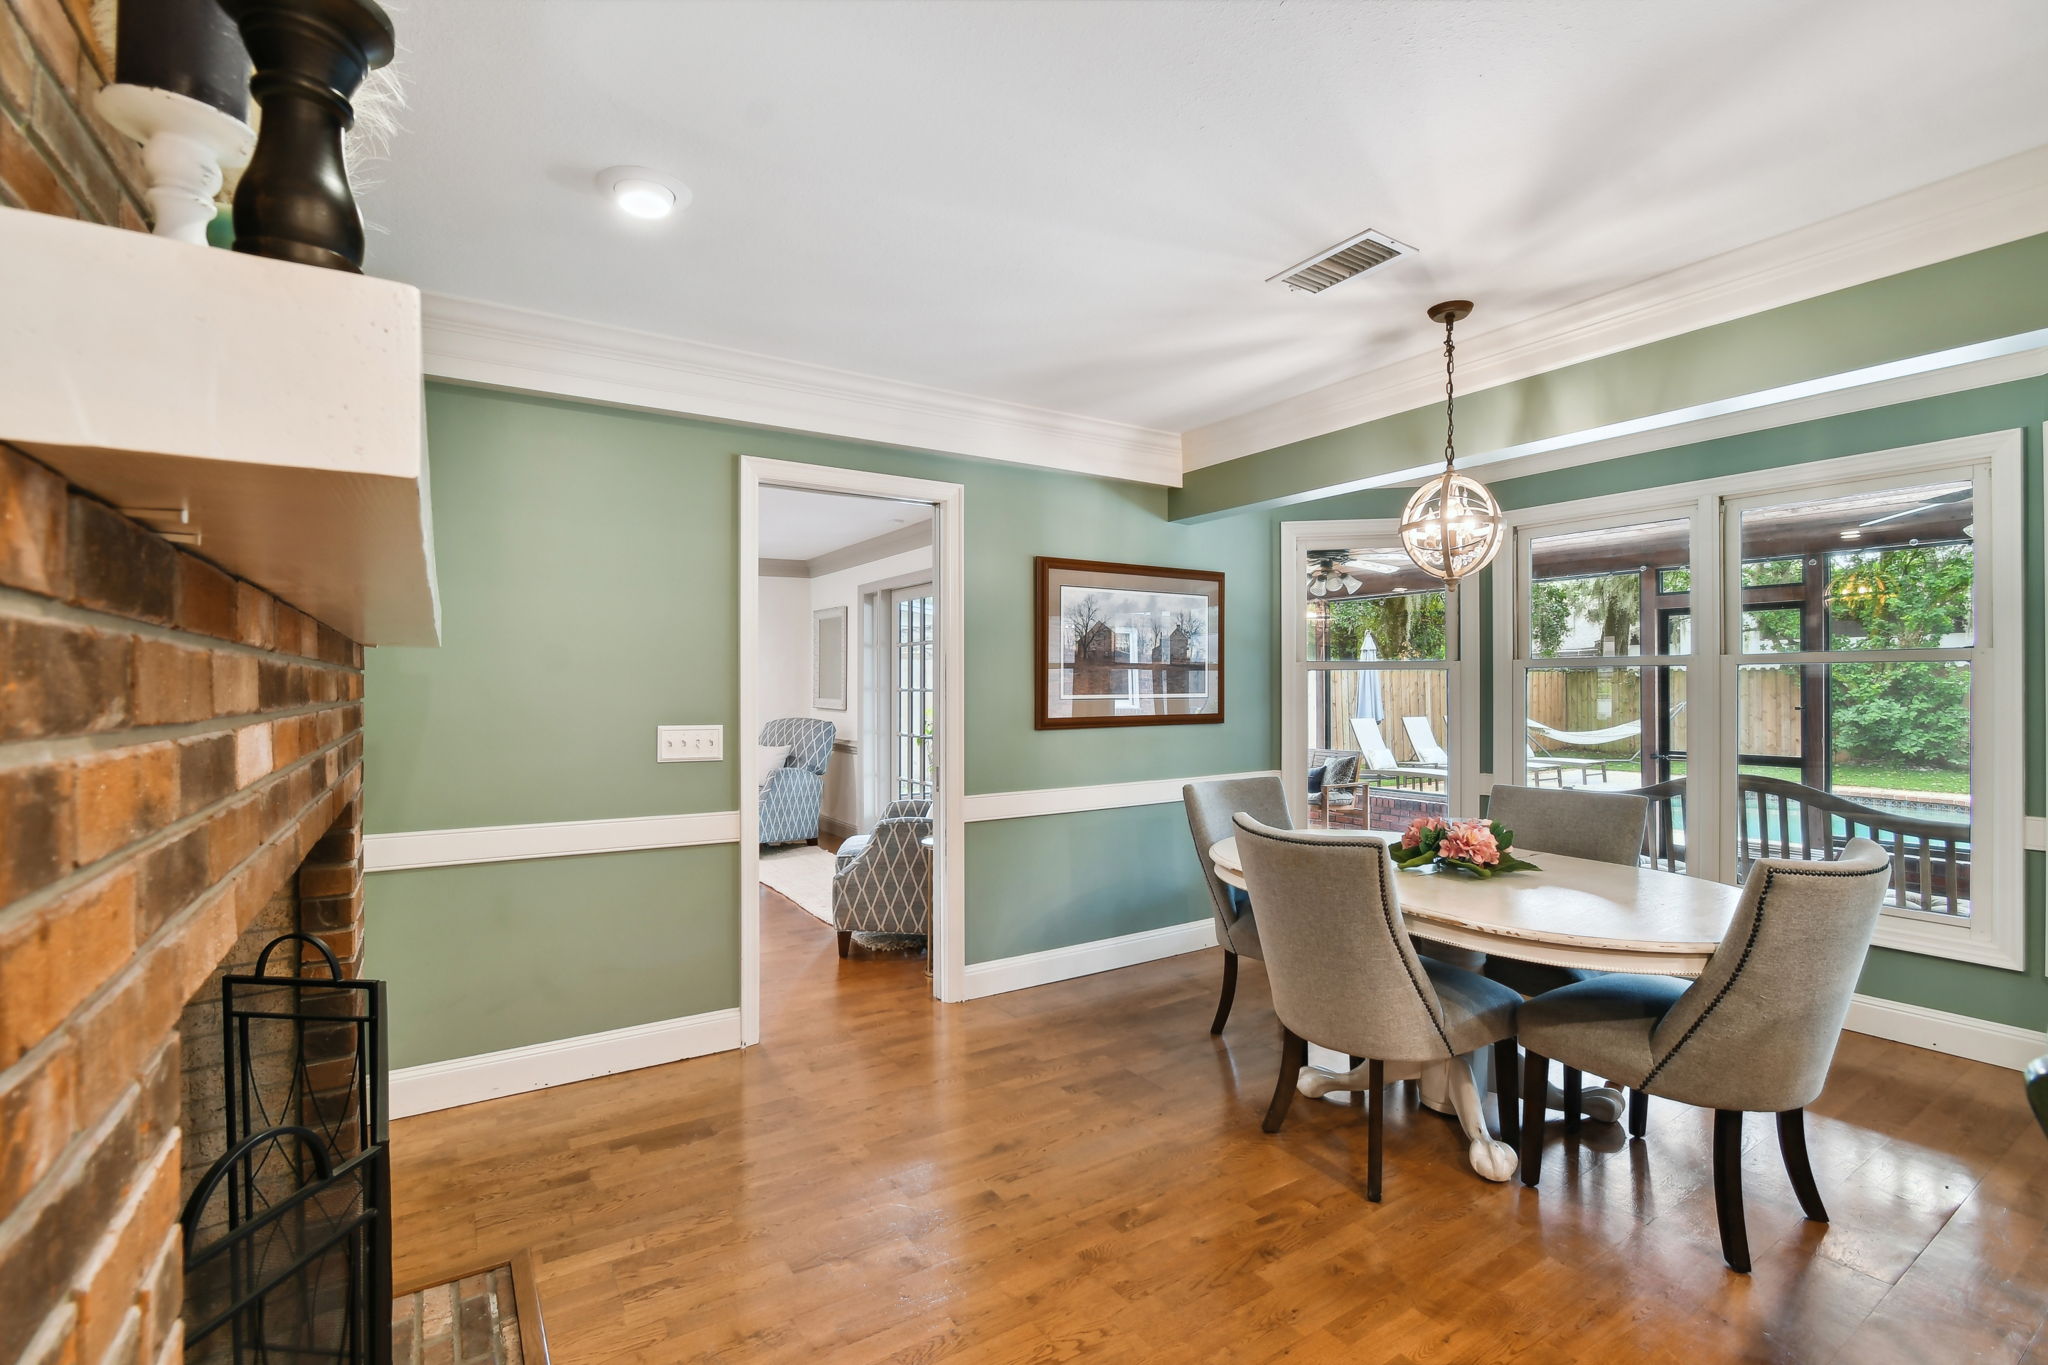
<point>1451,528</point>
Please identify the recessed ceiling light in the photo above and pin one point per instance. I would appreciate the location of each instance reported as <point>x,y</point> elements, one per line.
<point>641,193</point>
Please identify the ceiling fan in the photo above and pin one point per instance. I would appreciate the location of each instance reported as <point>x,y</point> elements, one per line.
<point>1336,572</point>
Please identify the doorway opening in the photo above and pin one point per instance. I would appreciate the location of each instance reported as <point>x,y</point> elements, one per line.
<point>850,711</point>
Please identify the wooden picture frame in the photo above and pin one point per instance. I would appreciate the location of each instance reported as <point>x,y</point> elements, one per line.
<point>1125,644</point>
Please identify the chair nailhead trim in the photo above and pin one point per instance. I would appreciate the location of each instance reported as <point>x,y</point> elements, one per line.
<point>1386,913</point>
<point>1756,927</point>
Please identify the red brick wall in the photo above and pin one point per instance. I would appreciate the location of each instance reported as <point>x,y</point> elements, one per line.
<point>56,155</point>
<point>175,745</point>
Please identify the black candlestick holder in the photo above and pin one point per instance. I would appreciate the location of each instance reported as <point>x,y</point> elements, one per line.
<point>294,201</point>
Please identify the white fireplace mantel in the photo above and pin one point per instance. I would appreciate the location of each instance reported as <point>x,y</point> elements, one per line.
<point>272,410</point>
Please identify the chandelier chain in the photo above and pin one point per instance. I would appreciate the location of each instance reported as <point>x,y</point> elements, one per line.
<point>1450,395</point>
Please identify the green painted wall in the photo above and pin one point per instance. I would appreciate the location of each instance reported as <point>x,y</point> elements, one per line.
<point>589,591</point>
<point>1986,295</point>
<point>588,584</point>
<point>500,955</point>
<point>2018,998</point>
<point>1116,872</point>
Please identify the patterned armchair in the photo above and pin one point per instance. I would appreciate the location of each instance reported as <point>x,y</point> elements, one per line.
<point>882,882</point>
<point>792,794</point>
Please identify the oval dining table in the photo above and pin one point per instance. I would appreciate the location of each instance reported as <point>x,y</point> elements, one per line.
<point>1570,912</point>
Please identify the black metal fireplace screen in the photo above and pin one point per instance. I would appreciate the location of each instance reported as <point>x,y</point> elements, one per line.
<point>288,1235</point>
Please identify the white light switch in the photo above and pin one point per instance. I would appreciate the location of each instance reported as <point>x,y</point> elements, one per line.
<point>689,743</point>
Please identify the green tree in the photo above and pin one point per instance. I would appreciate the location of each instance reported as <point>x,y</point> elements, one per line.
<point>1918,713</point>
<point>1402,626</point>
<point>1612,602</point>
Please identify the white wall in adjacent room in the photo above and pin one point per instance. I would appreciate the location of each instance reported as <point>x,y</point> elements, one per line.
<point>784,681</point>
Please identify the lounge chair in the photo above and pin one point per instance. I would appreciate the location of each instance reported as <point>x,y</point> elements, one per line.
<point>1422,738</point>
<point>1380,760</point>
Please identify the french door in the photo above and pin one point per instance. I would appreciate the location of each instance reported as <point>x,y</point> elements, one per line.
<point>910,649</point>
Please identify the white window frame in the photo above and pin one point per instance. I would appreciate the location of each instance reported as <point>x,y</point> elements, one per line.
<point>1512,634</point>
<point>1461,646</point>
<point>1995,934</point>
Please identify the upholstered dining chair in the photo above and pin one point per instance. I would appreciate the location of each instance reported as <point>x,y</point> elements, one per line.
<point>1210,806</point>
<point>1345,975</point>
<point>1605,827</point>
<point>1756,1032</point>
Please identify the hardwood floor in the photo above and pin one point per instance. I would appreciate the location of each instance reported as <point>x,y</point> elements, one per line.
<point>1077,1173</point>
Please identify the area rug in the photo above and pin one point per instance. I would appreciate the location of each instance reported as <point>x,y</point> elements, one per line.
<point>803,874</point>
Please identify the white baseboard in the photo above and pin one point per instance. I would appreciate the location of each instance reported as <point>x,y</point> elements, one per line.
<point>1086,959</point>
<point>1980,1040</point>
<point>466,1080</point>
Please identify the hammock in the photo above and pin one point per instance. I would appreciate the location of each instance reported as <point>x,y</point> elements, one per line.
<point>1586,739</point>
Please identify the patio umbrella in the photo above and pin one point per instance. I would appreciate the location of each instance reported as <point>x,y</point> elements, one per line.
<point>1371,705</point>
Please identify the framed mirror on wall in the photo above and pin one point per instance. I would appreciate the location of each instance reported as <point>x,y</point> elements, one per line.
<point>828,659</point>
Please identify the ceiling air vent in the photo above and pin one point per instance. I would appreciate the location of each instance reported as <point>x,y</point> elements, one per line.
<point>1349,258</point>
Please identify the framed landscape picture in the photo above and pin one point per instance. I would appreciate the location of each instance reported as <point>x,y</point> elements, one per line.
<point>1127,644</point>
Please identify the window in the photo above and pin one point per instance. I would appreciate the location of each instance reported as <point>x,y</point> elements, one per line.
<point>1602,668</point>
<point>1378,728</point>
<point>1869,733</point>
<point>1788,659</point>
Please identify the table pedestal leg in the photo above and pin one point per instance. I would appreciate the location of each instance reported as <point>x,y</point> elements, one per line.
<point>1453,1080</point>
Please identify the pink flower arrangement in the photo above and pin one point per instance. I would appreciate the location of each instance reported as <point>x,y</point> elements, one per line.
<point>1470,841</point>
<point>1479,847</point>
<point>1413,838</point>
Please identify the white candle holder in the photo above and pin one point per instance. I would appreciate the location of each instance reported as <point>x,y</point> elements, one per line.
<point>186,145</point>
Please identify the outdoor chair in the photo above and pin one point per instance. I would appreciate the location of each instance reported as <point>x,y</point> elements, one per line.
<point>1332,770</point>
<point>1422,739</point>
<point>1380,761</point>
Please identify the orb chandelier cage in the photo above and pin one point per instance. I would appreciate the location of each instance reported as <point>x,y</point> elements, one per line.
<point>1451,527</point>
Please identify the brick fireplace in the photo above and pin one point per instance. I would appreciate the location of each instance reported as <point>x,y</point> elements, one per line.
<point>180,775</point>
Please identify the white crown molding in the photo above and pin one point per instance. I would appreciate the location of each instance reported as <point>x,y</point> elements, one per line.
<point>516,1070</point>
<point>1975,366</point>
<point>560,839</point>
<point>510,348</point>
<point>1085,959</point>
<point>902,540</point>
<point>1978,209</point>
<point>1980,1040</point>
<point>1105,796</point>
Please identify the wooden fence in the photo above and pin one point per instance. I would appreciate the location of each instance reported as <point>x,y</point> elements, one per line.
<point>1569,699</point>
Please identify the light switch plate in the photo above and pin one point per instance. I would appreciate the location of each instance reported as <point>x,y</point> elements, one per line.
<point>689,743</point>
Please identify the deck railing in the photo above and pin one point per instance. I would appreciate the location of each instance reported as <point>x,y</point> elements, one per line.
<point>1781,819</point>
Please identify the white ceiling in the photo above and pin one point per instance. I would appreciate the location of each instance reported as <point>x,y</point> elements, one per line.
<point>798,524</point>
<point>1073,205</point>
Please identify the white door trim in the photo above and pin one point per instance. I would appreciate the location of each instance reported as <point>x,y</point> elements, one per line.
<point>949,855</point>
